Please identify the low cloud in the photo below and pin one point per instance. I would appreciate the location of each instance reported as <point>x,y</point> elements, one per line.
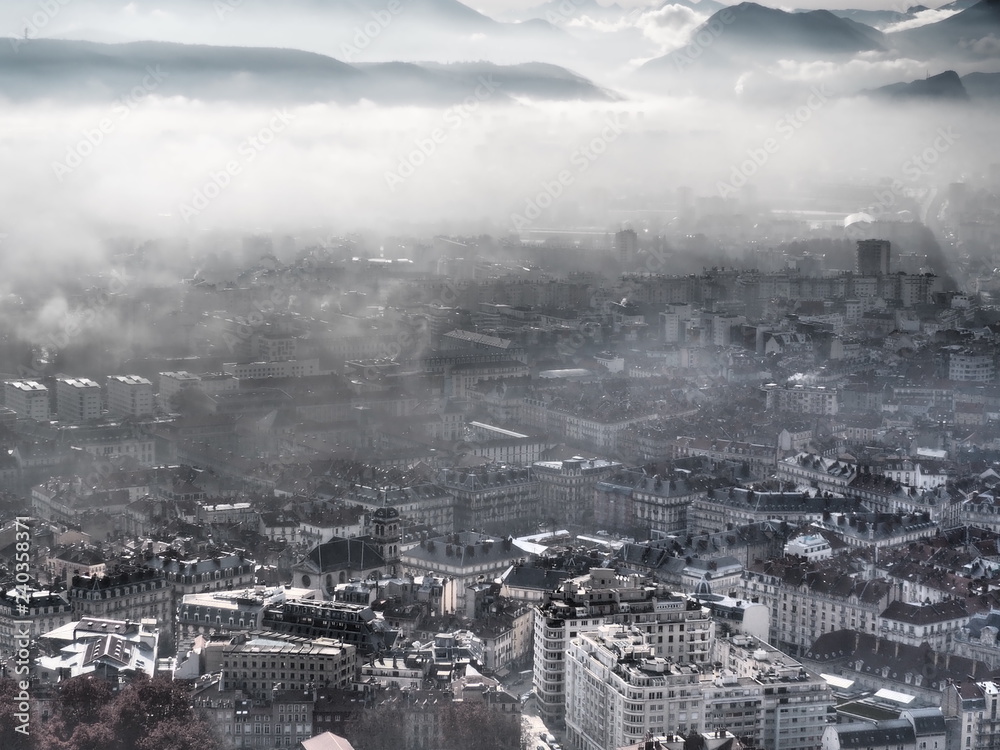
<point>924,17</point>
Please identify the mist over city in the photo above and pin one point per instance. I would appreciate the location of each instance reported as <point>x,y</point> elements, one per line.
<point>574,375</point>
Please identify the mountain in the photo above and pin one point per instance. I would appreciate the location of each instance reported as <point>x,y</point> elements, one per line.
<point>87,71</point>
<point>875,18</point>
<point>982,85</point>
<point>752,32</point>
<point>957,33</point>
<point>944,86</point>
<point>377,30</point>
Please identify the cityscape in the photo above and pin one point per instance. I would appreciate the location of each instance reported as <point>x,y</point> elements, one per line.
<point>576,376</point>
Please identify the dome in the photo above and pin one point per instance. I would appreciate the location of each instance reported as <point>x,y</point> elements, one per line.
<point>858,218</point>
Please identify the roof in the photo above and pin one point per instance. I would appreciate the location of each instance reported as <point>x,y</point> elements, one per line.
<point>339,554</point>
<point>865,735</point>
<point>927,720</point>
<point>327,741</point>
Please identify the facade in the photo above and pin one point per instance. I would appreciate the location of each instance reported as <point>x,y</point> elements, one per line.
<point>227,612</point>
<point>679,629</point>
<point>353,624</point>
<point>466,557</point>
<point>808,598</point>
<point>273,369</point>
<point>230,571</point>
<point>501,499</point>
<point>618,691</point>
<point>802,399</point>
<point>873,257</point>
<point>27,398</point>
<point>129,396</point>
<point>45,611</point>
<point>75,560</point>
<point>566,488</point>
<point>125,595</point>
<point>114,650</point>
<point>789,704</point>
<point>261,663</point>
<point>77,400</point>
<point>283,719</point>
<point>972,365</point>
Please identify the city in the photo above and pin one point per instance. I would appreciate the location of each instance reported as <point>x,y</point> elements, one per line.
<point>520,375</point>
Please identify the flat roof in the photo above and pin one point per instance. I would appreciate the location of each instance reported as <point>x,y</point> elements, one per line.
<point>838,682</point>
<point>892,695</point>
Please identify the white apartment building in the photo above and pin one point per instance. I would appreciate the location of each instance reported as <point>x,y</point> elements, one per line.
<point>28,398</point>
<point>129,396</point>
<point>78,399</point>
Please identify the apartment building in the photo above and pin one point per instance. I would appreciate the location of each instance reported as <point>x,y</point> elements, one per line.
<point>28,398</point>
<point>77,400</point>
<point>129,396</point>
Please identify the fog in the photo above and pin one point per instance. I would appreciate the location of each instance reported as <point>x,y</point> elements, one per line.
<point>140,142</point>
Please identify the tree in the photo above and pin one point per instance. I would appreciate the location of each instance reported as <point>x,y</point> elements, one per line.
<point>378,728</point>
<point>144,715</point>
<point>9,706</point>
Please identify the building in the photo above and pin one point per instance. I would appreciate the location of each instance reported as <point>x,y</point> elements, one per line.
<point>618,691</point>
<point>354,624</point>
<point>678,627</point>
<point>129,396</point>
<point>788,706</point>
<point>28,398</point>
<point>229,612</point>
<point>811,597</point>
<point>566,488</point>
<point>221,572</point>
<point>75,560</point>
<point>125,594</point>
<point>466,557</point>
<point>44,611</point>
<point>626,245</point>
<point>802,399</point>
<point>873,257</point>
<point>970,707</point>
<point>916,729</point>
<point>498,499</point>
<point>971,364</point>
<point>242,721</point>
<point>172,384</point>
<point>77,400</point>
<point>114,650</point>
<point>263,662</point>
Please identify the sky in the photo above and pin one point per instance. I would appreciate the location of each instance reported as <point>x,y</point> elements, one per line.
<point>499,7</point>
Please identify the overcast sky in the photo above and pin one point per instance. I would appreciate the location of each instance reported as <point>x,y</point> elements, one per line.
<point>493,7</point>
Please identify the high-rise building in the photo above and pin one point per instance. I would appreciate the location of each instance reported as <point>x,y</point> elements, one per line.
<point>78,399</point>
<point>873,257</point>
<point>626,244</point>
<point>129,396</point>
<point>679,628</point>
